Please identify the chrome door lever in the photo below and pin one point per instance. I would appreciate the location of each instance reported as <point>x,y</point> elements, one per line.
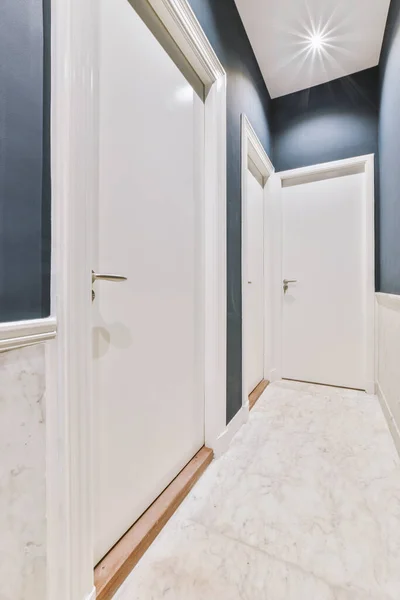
<point>105,277</point>
<point>286,284</point>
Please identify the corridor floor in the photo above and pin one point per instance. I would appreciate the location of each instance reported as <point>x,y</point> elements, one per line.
<point>305,505</point>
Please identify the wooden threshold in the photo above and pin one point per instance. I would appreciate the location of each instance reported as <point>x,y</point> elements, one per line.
<point>256,393</point>
<point>115,567</point>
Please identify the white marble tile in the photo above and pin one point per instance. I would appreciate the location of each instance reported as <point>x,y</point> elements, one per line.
<point>188,562</point>
<point>305,505</point>
<point>322,491</point>
<point>22,475</point>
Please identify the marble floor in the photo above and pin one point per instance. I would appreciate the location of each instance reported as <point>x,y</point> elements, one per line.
<point>305,505</point>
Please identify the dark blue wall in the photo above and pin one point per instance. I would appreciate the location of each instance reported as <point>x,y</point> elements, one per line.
<point>328,122</point>
<point>246,94</point>
<point>389,150</point>
<point>24,175</point>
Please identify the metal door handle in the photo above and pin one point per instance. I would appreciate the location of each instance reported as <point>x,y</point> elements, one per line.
<point>103,277</point>
<point>286,284</point>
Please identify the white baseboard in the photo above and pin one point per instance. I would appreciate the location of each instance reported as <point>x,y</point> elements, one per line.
<point>92,595</point>
<point>274,375</point>
<point>370,387</point>
<point>222,443</point>
<point>393,427</point>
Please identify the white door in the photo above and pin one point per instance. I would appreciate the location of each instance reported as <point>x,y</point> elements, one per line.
<point>324,312</point>
<point>254,305</point>
<point>148,331</point>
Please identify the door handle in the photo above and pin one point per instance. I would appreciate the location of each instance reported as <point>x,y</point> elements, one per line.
<point>286,284</point>
<point>104,277</point>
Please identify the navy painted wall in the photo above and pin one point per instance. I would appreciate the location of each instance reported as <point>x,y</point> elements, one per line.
<point>24,129</point>
<point>389,151</point>
<point>328,122</point>
<point>246,94</point>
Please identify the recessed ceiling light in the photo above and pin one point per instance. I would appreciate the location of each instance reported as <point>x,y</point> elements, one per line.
<point>316,41</point>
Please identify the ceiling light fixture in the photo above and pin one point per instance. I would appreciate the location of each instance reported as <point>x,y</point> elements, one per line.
<point>316,41</point>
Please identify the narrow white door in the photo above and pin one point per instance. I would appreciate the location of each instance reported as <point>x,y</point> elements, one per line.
<point>254,304</point>
<point>324,245</point>
<point>148,331</point>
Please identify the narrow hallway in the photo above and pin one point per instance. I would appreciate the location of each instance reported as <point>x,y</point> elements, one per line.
<point>305,505</point>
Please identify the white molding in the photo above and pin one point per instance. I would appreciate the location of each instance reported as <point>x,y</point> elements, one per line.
<point>92,595</point>
<point>225,438</point>
<point>183,26</point>
<point>74,190</point>
<point>274,375</point>
<point>370,387</point>
<point>252,148</point>
<point>391,301</point>
<point>393,427</point>
<point>215,262</point>
<point>18,334</point>
<point>357,164</point>
<point>57,488</point>
<point>376,366</point>
<point>274,223</point>
<point>255,149</point>
<point>371,375</point>
<point>326,168</point>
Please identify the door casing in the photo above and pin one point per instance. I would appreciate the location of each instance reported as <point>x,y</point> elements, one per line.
<point>252,148</point>
<point>74,190</point>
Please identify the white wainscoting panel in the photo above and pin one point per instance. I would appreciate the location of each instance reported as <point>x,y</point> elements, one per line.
<point>388,360</point>
<point>22,474</point>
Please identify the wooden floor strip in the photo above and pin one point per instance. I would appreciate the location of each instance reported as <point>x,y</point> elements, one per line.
<point>115,567</point>
<point>256,393</point>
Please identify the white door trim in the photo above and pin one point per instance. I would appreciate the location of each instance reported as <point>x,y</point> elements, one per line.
<point>74,189</point>
<point>252,148</point>
<point>358,164</point>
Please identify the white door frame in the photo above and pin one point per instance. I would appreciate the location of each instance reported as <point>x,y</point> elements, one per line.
<point>358,164</point>
<point>252,148</point>
<point>74,190</point>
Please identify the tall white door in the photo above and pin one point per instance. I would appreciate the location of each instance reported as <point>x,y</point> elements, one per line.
<point>324,311</point>
<point>254,305</point>
<point>148,330</point>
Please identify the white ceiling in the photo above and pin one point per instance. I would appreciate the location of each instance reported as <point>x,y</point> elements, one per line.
<point>280,30</point>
